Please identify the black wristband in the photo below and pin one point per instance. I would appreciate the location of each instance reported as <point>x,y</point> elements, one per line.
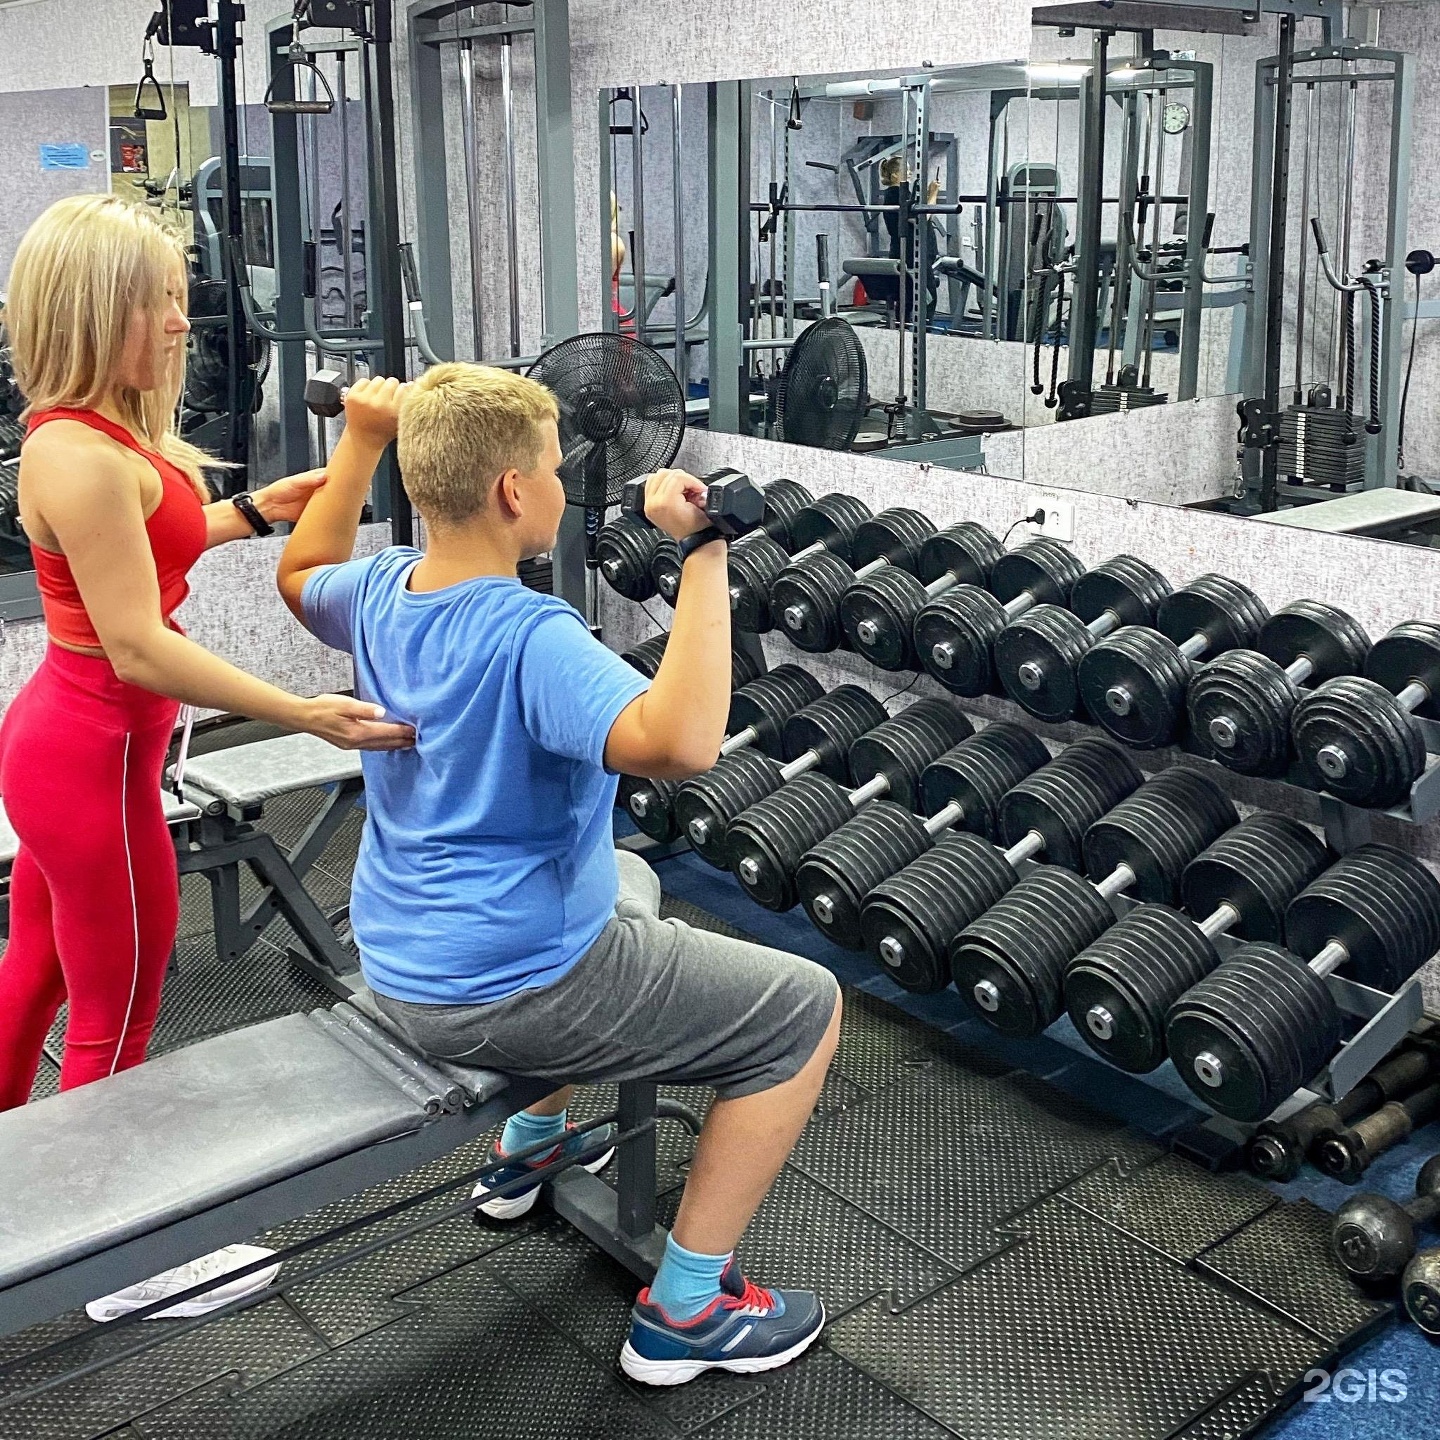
<point>691,543</point>
<point>253,518</point>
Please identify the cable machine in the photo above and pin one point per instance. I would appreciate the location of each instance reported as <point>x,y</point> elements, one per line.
<point>1324,371</point>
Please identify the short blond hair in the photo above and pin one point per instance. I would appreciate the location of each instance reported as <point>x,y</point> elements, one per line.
<point>85,268</point>
<point>461,428</point>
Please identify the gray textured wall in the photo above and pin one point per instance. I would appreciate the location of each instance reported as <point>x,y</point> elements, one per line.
<point>47,117</point>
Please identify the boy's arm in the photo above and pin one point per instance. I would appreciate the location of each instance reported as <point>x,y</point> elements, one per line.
<point>325,533</point>
<point>674,730</point>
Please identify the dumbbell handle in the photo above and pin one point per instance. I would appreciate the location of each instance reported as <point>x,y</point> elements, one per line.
<point>1218,921</point>
<point>1395,1120</point>
<point>1300,669</point>
<point>800,765</point>
<point>1413,696</point>
<point>739,740</point>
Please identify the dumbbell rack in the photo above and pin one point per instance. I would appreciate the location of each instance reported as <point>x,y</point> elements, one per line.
<point>1385,1018</point>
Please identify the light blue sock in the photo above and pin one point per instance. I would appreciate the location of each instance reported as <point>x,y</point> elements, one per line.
<point>523,1130</point>
<point>686,1282</point>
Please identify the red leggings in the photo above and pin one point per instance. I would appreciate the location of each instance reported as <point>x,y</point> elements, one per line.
<point>94,896</point>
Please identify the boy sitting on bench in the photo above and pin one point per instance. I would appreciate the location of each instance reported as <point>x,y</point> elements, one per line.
<point>496,924</point>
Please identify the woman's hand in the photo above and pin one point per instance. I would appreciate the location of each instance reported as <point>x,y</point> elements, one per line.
<point>353,724</point>
<point>372,410</point>
<point>286,499</point>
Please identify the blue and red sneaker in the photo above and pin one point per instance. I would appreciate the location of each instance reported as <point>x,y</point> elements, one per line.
<point>744,1329</point>
<point>521,1202</point>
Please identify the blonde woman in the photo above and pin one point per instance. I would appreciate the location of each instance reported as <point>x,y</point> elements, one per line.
<point>116,511</point>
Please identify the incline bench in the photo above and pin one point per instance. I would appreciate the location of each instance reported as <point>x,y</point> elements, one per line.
<point>215,1143</point>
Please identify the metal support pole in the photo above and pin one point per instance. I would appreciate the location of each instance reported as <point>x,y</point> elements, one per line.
<point>512,202</point>
<point>382,250</point>
<point>469,139</point>
<point>1384,471</point>
<point>729,235</point>
<point>1076,392</point>
<point>428,131</point>
<point>1279,208</point>
<point>1202,105</point>
<point>609,319</point>
<point>559,278</point>
<point>295,452</point>
<point>344,230</point>
<point>677,201</point>
<point>232,222</point>
<point>637,215</point>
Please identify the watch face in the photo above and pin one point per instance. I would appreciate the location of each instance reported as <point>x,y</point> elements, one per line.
<point>1176,118</point>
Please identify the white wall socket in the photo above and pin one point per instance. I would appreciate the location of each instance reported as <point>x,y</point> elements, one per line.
<point>1059,521</point>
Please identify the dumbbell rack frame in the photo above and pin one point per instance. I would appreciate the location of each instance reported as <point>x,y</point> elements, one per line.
<point>1386,1018</point>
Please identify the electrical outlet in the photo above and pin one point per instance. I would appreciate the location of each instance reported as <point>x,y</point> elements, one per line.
<point>1059,521</point>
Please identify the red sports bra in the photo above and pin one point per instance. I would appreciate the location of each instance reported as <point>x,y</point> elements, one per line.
<point>177,540</point>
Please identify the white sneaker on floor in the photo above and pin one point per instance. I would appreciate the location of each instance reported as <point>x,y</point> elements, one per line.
<point>186,1277</point>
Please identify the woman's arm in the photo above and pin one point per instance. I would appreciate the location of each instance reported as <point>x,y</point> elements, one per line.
<point>325,533</point>
<point>284,500</point>
<point>94,510</point>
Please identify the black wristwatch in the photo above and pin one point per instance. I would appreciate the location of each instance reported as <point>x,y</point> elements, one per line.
<point>253,518</point>
<point>691,543</point>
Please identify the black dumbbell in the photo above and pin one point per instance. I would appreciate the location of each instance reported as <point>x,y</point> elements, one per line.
<point>647,655</point>
<point>325,393</point>
<point>909,920</point>
<point>1374,1239</point>
<point>758,712</point>
<point>625,549</point>
<point>733,503</point>
<point>764,844</point>
<point>953,634</point>
<point>1264,1023</point>
<point>1120,989</point>
<point>1037,656</point>
<point>1420,1289</point>
<point>1278,1148</point>
<point>1134,682</point>
<point>1357,737</point>
<point>1011,961</point>
<point>1346,1154</point>
<point>877,612</point>
<point>828,524</point>
<point>805,596</point>
<point>666,563</point>
<point>1241,704</point>
<point>816,737</point>
<point>961,790</point>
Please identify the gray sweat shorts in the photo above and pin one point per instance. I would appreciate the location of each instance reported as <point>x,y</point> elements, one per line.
<point>651,999</point>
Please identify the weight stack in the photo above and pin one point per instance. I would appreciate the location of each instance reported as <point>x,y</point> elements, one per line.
<point>1312,446</point>
<point>1119,400</point>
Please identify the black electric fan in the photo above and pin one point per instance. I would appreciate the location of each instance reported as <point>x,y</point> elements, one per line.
<point>622,415</point>
<point>824,387</point>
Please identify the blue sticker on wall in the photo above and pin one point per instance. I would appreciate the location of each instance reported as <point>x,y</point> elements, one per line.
<point>64,157</point>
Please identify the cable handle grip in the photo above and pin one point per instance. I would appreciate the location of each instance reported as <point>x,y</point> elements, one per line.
<point>1319,230</point>
<point>734,504</point>
<point>409,271</point>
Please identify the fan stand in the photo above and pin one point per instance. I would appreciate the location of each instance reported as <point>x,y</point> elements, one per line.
<point>596,481</point>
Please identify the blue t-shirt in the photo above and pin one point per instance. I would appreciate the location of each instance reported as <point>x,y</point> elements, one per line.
<point>487,864</point>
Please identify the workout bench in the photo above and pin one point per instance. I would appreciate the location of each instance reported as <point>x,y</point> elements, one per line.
<point>229,789</point>
<point>217,1142</point>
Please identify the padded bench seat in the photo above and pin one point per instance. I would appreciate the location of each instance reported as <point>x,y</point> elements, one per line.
<point>182,1133</point>
<point>244,777</point>
<point>176,812</point>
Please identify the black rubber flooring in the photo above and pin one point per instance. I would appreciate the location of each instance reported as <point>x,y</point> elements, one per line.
<point>997,1259</point>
